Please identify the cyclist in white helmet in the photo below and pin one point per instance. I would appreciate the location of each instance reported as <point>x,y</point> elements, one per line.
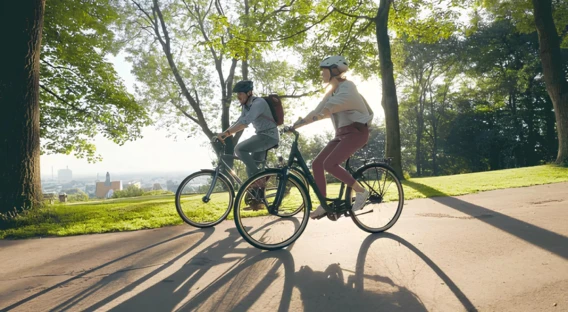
<point>350,115</point>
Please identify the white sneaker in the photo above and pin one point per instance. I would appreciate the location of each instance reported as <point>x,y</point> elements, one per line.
<point>318,213</point>
<point>360,199</point>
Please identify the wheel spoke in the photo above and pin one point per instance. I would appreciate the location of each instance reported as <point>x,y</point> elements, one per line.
<point>190,204</point>
<point>381,213</point>
<point>267,230</point>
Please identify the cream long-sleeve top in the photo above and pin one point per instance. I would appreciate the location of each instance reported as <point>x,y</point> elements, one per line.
<point>346,106</point>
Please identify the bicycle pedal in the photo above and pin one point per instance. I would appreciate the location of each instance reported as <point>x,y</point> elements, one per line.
<point>253,208</point>
<point>318,217</point>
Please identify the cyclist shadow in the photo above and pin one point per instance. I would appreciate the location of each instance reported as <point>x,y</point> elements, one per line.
<point>268,281</point>
<point>191,278</point>
<point>117,266</point>
<point>328,290</point>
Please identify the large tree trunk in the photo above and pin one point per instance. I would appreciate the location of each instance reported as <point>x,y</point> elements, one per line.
<point>435,150</point>
<point>551,138</point>
<point>532,129</point>
<point>20,184</point>
<point>419,133</point>
<point>554,75</point>
<point>420,129</point>
<point>389,100</point>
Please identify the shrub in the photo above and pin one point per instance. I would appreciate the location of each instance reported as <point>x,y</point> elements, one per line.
<point>130,191</point>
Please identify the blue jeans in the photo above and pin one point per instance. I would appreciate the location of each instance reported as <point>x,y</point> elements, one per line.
<point>254,149</point>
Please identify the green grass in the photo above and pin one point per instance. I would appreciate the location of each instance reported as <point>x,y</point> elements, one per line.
<point>127,214</point>
<point>483,181</point>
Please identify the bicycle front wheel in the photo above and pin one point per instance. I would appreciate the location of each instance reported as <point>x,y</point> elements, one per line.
<point>266,229</point>
<point>386,198</point>
<point>193,205</point>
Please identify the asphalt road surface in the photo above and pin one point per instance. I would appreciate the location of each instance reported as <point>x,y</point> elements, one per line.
<point>503,250</point>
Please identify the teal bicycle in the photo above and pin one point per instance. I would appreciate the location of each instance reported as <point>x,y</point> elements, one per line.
<point>285,189</point>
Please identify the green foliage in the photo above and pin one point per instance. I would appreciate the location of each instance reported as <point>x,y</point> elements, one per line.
<point>474,104</point>
<point>78,196</point>
<point>130,191</point>
<point>207,47</point>
<point>520,14</point>
<point>157,192</point>
<point>81,93</point>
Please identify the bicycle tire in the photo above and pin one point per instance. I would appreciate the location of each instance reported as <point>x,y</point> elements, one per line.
<point>238,219</point>
<point>186,181</point>
<point>358,216</point>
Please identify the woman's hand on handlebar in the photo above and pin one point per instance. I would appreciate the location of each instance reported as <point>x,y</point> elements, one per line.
<point>300,122</point>
<point>318,117</point>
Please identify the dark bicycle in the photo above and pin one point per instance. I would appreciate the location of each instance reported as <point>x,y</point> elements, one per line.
<point>286,191</point>
<point>205,198</point>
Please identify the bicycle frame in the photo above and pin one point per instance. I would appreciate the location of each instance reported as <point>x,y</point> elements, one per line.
<point>235,180</point>
<point>296,158</point>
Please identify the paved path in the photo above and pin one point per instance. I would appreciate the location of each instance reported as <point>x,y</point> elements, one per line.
<point>503,250</point>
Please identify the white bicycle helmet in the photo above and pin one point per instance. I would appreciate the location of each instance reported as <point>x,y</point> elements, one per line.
<point>336,61</point>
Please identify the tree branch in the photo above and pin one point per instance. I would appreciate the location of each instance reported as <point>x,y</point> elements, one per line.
<point>227,87</point>
<point>295,96</point>
<point>167,51</point>
<point>281,9</point>
<point>189,9</point>
<point>219,7</point>
<point>293,35</point>
<point>196,96</point>
<point>149,29</point>
<point>60,67</point>
<point>209,8</point>
<point>162,23</point>
<point>354,16</point>
<point>65,101</point>
<point>150,20</point>
<point>350,39</point>
<point>156,29</point>
<point>183,111</point>
<point>200,21</point>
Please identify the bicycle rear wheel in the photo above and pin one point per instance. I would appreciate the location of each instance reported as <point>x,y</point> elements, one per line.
<point>197,210</point>
<point>259,227</point>
<point>386,198</point>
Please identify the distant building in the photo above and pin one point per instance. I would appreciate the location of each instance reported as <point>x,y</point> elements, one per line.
<point>65,175</point>
<point>107,188</point>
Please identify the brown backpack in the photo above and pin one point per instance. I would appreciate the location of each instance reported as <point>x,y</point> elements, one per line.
<point>276,108</point>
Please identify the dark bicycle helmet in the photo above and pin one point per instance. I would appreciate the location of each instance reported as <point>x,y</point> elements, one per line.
<point>243,86</point>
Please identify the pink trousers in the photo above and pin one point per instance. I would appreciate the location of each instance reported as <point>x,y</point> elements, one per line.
<point>347,141</point>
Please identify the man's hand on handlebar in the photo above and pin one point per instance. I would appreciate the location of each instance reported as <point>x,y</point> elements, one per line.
<point>288,129</point>
<point>222,136</point>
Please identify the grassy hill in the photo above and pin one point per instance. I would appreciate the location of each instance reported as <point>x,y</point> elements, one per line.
<point>148,212</point>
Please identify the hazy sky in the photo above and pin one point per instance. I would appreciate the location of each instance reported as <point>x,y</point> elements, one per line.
<point>157,153</point>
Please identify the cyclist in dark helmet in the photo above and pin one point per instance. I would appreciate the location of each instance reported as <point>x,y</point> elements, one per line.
<point>255,111</point>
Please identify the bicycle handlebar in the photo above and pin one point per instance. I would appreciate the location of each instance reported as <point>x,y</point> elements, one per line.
<point>290,129</point>
<point>216,140</point>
